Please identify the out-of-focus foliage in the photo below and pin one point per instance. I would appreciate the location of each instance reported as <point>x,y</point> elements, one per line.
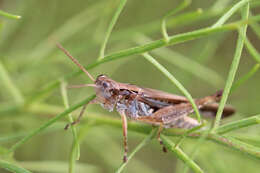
<point>32,68</point>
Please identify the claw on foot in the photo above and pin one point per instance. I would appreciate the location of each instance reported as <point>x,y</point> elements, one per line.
<point>164,149</point>
<point>125,159</point>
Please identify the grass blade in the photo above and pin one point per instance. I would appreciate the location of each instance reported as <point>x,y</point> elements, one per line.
<point>233,68</point>
<point>252,50</point>
<point>66,104</point>
<point>254,120</point>
<point>181,155</point>
<point>8,15</point>
<point>146,140</point>
<point>110,27</point>
<point>182,6</point>
<point>12,168</point>
<point>185,63</point>
<point>10,86</point>
<point>174,81</point>
<point>50,122</point>
<point>244,78</point>
<point>228,14</point>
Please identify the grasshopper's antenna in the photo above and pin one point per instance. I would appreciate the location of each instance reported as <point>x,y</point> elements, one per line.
<point>75,61</point>
<point>82,85</point>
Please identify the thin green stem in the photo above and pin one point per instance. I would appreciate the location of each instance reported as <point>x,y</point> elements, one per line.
<point>252,50</point>
<point>8,15</point>
<point>236,145</point>
<point>10,86</point>
<point>254,120</point>
<point>196,147</point>
<point>176,39</point>
<point>110,28</point>
<point>180,154</point>
<point>76,143</point>
<point>174,81</point>
<point>185,63</point>
<point>228,14</point>
<point>255,27</point>
<point>12,167</point>
<point>233,68</point>
<point>145,141</point>
<point>146,129</point>
<point>50,122</point>
<point>245,78</point>
<point>66,104</point>
<point>179,8</point>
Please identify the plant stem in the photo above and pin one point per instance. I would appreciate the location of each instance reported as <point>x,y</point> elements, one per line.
<point>8,15</point>
<point>181,155</point>
<point>12,167</point>
<point>110,28</point>
<point>233,69</point>
<point>146,140</point>
<point>228,14</point>
<point>238,124</point>
<point>174,81</point>
<point>10,86</point>
<point>50,122</point>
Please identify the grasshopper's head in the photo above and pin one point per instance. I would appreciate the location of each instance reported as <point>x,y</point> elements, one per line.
<point>106,91</point>
<point>106,86</point>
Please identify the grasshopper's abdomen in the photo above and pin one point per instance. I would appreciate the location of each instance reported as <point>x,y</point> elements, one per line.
<point>134,108</point>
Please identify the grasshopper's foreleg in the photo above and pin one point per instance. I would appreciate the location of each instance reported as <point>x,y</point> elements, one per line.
<point>78,119</point>
<point>80,114</point>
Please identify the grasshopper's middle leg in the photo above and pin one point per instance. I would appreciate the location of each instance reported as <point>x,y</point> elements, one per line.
<point>159,138</point>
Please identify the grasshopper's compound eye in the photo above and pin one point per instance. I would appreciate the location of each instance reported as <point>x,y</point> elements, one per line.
<point>105,84</point>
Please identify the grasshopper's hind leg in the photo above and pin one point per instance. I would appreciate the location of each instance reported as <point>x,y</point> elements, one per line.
<point>159,138</point>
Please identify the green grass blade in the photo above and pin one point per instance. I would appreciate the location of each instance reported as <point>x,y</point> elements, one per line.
<point>50,122</point>
<point>12,168</point>
<point>228,14</point>
<point>256,28</point>
<point>254,120</point>
<point>180,38</point>
<point>8,15</point>
<point>66,104</point>
<point>252,50</point>
<point>233,68</point>
<point>57,166</point>
<point>73,153</point>
<point>180,154</point>
<point>10,86</point>
<point>237,145</point>
<point>185,63</point>
<point>245,78</point>
<point>146,140</point>
<point>146,129</point>
<point>174,81</point>
<point>179,8</point>
<point>196,147</point>
<point>63,33</point>
<point>110,27</point>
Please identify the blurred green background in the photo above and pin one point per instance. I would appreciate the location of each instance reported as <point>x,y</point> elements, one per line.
<point>29,56</point>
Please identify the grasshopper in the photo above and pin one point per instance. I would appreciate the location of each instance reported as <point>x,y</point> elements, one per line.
<point>146,105</point>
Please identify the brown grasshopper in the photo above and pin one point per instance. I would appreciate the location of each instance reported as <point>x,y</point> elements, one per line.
<point>146,105</point>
